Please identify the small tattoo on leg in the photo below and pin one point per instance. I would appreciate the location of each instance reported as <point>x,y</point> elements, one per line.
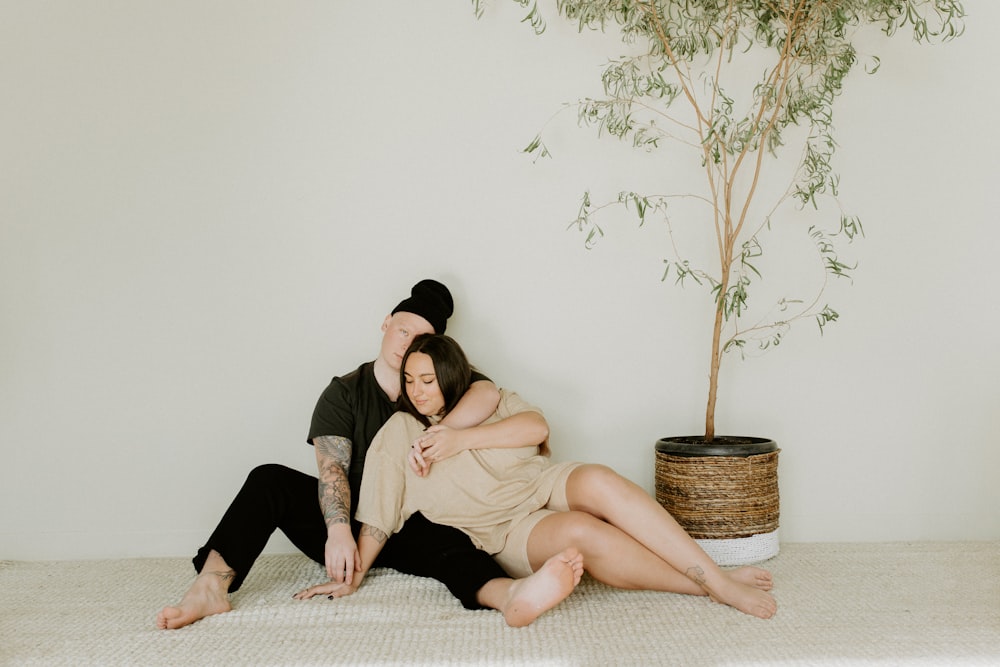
<point>696,574</point>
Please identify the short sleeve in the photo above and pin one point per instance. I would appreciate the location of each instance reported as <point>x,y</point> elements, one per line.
<point>383,485</point>
<point>511,404</point>
<point>334,413</point>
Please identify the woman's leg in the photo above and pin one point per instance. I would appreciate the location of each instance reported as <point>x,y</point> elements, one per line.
<point>609,555</point>
<point>603,493</point>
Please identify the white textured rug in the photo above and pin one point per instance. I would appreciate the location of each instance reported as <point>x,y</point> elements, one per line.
<point>839,604</point>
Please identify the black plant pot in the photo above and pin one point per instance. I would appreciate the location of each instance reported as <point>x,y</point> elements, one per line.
<point>724,493</point>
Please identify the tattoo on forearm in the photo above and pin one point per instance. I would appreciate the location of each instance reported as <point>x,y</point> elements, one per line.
<point>333,458</point>
<point>696,574</point>
<point>335,448</point>
<point>374,533</point>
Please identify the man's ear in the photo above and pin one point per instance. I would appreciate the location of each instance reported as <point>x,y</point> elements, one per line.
<point>385,323</point>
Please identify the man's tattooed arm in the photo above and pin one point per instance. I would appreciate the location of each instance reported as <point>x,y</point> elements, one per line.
<point>333,459</point>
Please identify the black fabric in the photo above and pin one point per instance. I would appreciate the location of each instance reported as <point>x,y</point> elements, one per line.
<point>430,300</point>
<point>272,497</point>
<point>444,553</point>
<point>277,497</point>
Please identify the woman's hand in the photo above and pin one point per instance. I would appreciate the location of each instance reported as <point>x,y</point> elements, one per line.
<point>330,589</point>
<point>438,443</point>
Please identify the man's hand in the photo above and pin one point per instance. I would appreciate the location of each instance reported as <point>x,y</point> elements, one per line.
<point>371,540</point>
<point>438,443</point>
<point>341,554</point>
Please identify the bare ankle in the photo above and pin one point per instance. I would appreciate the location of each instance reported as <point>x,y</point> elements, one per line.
<point>219,580</point>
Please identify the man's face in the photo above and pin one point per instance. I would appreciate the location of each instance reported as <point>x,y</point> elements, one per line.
<point>398,331</point>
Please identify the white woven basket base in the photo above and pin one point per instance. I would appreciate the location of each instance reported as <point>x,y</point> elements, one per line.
<point>742,550</point>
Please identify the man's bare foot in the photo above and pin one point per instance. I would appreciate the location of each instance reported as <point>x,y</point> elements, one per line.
<point>752,576</point>
<point>551,584</point>
<point>208,595</point>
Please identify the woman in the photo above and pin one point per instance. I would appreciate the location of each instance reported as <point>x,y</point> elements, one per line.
<point>518,505</point>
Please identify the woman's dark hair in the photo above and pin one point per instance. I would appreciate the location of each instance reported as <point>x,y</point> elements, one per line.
<point>451,366</point>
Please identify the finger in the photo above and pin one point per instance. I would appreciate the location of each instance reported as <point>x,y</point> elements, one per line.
<point>419,458</point>
<point>417,470</point>
<point>338,571</point>
<point>305,594</point>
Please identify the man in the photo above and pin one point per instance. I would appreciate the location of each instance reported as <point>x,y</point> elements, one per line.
<point>347,416</point>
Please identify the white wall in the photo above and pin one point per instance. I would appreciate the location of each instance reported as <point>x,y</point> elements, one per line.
<point>207,208</point>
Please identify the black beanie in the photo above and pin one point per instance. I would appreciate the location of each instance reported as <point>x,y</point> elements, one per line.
<point>430,300</point>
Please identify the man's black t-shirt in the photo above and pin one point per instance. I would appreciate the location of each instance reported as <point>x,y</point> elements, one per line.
<point>352,406</point>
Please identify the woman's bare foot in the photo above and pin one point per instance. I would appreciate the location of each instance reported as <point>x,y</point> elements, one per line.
<point>551,584</point>
<point>752,576</point>
<point>747,599</point>
<point>725,590</point>
<point>208,595</point>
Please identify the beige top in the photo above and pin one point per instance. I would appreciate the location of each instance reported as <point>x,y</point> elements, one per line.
<point>482,492</point>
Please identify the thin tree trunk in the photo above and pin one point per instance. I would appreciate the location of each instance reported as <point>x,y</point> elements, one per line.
<point>713,376</point>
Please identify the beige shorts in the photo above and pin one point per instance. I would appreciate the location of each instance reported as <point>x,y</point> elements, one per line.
<point>514,556</point>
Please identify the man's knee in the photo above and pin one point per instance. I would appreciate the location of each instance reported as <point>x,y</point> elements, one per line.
<point>267,474</point>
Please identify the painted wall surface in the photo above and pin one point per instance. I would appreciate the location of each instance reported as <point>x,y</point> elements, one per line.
<point>206,209</point>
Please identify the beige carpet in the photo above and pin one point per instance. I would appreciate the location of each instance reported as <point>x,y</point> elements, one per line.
<point>839,604</point>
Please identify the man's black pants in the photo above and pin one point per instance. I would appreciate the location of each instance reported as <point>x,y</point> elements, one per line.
<point>277,497</point>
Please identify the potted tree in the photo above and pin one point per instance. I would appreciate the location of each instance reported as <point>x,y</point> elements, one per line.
<point>749,86</point>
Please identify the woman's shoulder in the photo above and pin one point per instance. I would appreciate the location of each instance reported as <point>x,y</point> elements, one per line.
<point>400,427</point>
<point>512,403</point>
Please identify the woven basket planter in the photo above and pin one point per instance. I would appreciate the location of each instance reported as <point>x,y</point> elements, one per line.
<point>723,493</point>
